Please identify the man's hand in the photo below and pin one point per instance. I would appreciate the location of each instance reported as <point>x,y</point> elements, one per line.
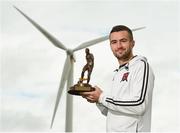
<point>92,96</point>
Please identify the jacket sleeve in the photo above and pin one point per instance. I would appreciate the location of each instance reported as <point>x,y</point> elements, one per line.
<point>102,108</point>
<point>142,84</point>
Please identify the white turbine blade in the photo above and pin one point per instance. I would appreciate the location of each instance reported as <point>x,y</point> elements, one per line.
<point>98,40</point>
<point>140,28</point>
<point>91,42</point>
<point>65,73</point>
<point>43,31</point>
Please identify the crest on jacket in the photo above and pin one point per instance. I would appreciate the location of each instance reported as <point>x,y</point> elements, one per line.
<point>125,76</point>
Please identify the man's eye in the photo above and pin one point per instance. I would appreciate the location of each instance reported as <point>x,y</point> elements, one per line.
<point>124,40</point>
<point>113,42</point>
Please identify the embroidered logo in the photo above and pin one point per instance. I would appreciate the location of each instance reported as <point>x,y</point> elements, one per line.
<point>125,76</point>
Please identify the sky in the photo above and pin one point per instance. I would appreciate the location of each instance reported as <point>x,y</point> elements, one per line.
<point>31,66</point>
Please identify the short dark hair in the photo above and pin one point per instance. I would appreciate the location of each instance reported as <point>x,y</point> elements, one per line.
<point>118,28</point>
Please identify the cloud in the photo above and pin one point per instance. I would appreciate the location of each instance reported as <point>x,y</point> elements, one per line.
<point>22,121</point>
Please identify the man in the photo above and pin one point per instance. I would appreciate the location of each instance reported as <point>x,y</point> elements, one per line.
<point>128,106</point>
<point>89,66</point>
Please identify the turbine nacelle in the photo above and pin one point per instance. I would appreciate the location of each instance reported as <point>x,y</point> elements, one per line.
<point>70,53</point>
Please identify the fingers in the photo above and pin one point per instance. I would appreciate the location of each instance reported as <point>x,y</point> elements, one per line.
<point>91,101</point>
<point>86,93</point>
<point>92,96</point>
<point>88,96</point>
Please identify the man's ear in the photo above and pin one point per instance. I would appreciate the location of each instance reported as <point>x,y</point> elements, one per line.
<point>133,43</point>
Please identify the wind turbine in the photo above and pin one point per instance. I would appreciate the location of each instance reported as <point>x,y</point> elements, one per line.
<point>67,73</point>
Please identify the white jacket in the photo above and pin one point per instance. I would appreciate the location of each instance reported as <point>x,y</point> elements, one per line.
<point>128,106</point>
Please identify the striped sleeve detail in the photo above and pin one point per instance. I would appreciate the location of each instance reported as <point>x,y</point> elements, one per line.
<point>143,91</point>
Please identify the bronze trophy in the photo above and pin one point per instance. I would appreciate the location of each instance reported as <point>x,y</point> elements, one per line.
<point>80,86</point>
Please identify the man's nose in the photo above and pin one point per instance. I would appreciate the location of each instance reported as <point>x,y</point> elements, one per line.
<point>119,45</point>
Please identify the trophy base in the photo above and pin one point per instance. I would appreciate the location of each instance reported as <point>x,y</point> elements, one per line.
<point>78,88</point>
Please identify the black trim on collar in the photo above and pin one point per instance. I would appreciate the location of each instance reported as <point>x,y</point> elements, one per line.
<point>126,65</point>
<point>122,65</point>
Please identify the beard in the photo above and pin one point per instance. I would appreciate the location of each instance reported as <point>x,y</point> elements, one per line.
<point>123,55</point>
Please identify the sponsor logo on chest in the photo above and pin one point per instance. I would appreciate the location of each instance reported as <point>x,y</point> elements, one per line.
<point>125,77</point>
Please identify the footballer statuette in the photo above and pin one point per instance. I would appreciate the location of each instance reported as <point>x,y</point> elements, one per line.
<point>80,86</point>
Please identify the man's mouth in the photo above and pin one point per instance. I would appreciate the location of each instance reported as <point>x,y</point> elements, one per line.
<point>120,51</point>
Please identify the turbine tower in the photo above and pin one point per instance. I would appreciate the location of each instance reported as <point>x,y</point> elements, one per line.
<point>67,73</point>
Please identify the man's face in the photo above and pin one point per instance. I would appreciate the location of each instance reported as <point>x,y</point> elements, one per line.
<point>121,45</point>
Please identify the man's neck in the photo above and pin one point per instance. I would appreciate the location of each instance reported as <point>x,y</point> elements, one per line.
<point>124,61</point>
